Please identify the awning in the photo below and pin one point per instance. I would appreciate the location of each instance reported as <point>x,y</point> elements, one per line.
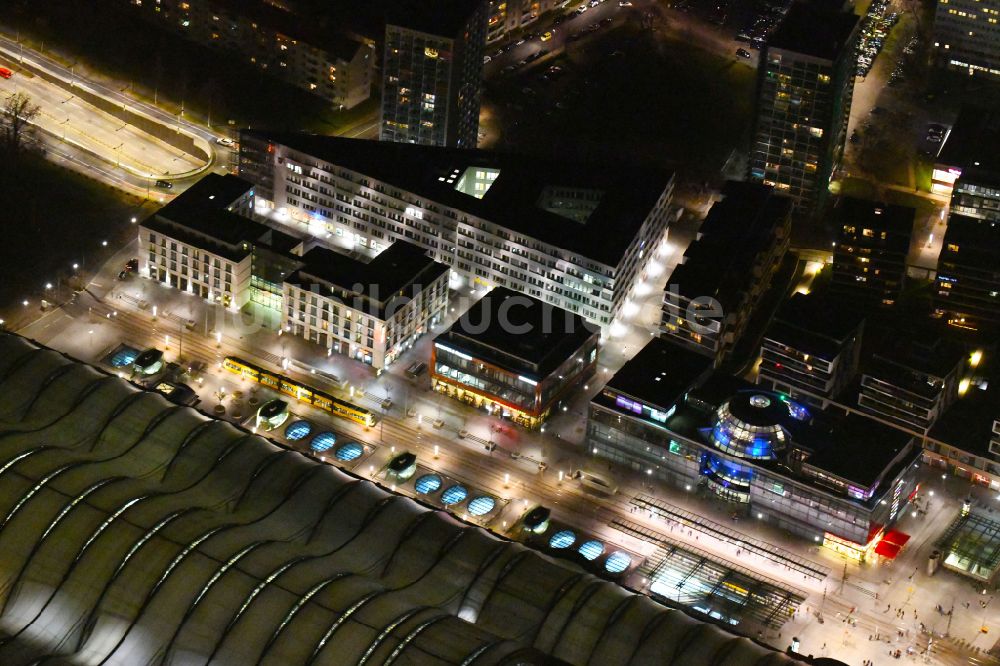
<point>887,549</point>
<point>896,537</point>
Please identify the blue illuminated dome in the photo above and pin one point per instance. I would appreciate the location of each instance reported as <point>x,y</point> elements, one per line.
<point>591,550</point>
<point>749,425</point>
<point>427,484</point>
<point>482,505</point>
<point>454,495</point>
<point>298,430</point>
<point>323,442</point>
<point>617,562</point>
<point>348,452</point>
<point>562,539</point>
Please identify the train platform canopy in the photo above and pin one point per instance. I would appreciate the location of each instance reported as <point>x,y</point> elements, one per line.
<point>971,547</point>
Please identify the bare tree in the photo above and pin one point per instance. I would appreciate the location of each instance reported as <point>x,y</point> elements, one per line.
<point>16,120</point>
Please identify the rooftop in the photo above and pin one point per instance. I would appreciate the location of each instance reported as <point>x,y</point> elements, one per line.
<point>906,358</point>
<point>660,373</point>
<point>895,220</point>
<point>978,242</point>
<point>814,30</point>
<point>401,270</point>
<point>735,231</point>
<point>512,200</point>
<point>973,144</point>
<point>438,17</point>
<point>518,332</point>
<point>858,449</point>
<point>968,422</point>
<point>815,324</point>
<point>200,217</point>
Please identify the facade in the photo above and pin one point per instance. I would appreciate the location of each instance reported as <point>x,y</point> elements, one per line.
<point>369,311</point>
<point>506,16</point>
<point>967,37</point>
<point>515,356</point>
<point>804,89</point>
<point>724,273</point>
<point>873,241</point>
<point>811,349</point>
<point>967,167</point>
<point>432,72</point>
<point>202,243</point>
<point>967,284</point>
<point>325,62</point>
<point>839,480</point>
<point>573,235</point>
<point>911,381</point>
<point>467,591</point>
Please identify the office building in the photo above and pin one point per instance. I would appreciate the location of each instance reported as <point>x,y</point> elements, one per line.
<point>330,63</point>
<point>432,72</point>
<point>873,241</point>
<point>967,37</point>
<point>833,479</point>
<point>965,441</point>
<point>211,543</point>
<point>811,350</point>
<point>911,379</point>
<point>967,168</point>
<point>371,311</point>
<point>712,294</point>
<point>967,293</point>
<point>514,356</point>
<point>202,243</point>
<point>804,86</point>
<point>574,235</point>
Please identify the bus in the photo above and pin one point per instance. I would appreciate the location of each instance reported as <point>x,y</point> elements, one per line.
<point>300,392</point>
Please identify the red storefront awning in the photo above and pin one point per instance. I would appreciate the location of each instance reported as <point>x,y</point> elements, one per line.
<point>887,549</point>
<point>896,537</point>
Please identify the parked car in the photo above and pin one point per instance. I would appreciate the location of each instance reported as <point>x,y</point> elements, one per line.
<point>416,369</point>
<point>742,53</point>
<point>165,184</point>
<point>223,141</point>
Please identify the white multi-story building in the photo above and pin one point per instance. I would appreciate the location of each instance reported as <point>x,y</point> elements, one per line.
<point>572,235</point>
<point>369,311</point>
<point>202,242</point>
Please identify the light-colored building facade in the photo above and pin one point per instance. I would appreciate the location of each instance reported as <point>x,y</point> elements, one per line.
<point>573,236</point>
<point>336,67</point>
<point>371,311</point>
<point>967,36</point>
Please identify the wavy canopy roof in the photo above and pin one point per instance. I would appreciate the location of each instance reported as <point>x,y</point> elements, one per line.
<point>134,531</point>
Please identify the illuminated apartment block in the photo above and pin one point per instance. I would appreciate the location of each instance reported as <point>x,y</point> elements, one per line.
<point>873,240</point>
<point>804,88</point>
<point>967,36</point>
<point>432,72</point>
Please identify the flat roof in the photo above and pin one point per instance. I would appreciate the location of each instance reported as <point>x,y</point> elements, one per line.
<point>629,194</point>
<point>438,17</point>
<point>923,350</point>
<point>857,448</point>
<point>401,270</point>
<point>895,220</point>
<point>814,30</point>
<point>199,217</point>
<point>816,324</point>
<point>660,373</point>
<point>978,242</point>
<point>735,231</point>
<point>968,422</point>
<point>518,332</point>
<point>973,144</point>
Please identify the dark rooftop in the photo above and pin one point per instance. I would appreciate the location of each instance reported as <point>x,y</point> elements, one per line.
<point>524,335</point>
<point>629,194</point>
<point>858,449</point>
<point>737,229</point>
<point>815,324</point>
<point>814,30</point>
<point>978,242</point>
<point>660,373</point>
<point>200,217</point>
<point>968,422</point>
<point>901,357</point>
<point>973,145</point>
<point>438,17</point>
<point>400,271</point>
<point>895,220</point>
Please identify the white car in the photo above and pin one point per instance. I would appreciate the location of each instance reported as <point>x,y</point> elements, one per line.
<point>223,141</point>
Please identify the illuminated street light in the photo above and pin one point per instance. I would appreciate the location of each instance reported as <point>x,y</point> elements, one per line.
<point>48,285</point>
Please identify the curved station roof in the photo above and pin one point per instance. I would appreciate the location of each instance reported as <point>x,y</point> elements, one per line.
<point>134,531</point>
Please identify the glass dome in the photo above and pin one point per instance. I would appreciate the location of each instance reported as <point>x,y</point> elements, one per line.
<point>482,505</point>
<point>297,431</point>
<point>591,550</point>
<point>617,562</point>
<point>562,539</point>
<point>454,495</point>
<point>749,425</point>
<point>428,483</point>
<point>323,442</point>
<point>350,451</point>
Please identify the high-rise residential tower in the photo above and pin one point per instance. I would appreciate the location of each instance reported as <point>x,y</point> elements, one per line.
<point>967,36</point>
<point>432,73</point>
<point>804,88</point>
